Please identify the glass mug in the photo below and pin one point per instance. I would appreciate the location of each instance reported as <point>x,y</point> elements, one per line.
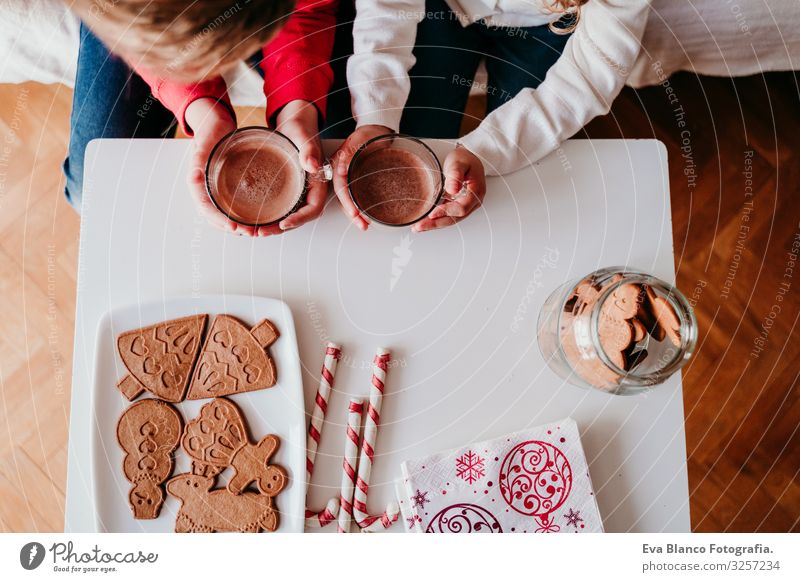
<point>616,330</point>
<point>254,176</point>
<point>396,180</point>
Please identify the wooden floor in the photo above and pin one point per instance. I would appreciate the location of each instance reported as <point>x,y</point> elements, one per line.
<point>735,183</point>
<point>731,251</point>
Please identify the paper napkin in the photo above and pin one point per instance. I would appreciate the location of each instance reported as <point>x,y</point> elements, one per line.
<point>534,481</point>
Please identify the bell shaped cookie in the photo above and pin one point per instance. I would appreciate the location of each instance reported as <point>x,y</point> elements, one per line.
<point>234,359</point>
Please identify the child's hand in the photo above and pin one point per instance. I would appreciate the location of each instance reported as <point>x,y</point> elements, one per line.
<point>299,121</point>
<point>210,121</point>
<point>461,167</point>
<point>341,162</point>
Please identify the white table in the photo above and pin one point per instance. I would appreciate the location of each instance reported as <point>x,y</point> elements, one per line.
<point>459,311</point>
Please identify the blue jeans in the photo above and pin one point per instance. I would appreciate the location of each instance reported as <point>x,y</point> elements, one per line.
<point>448,55</point>
<point>109,101</point>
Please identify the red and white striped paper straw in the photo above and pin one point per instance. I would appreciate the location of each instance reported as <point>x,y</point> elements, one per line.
<point>385,521</point>
<point>349,463</point>
<point>328,515</point>
<point>363,519</point>
<point>332,354</point>
<point>324,517</point>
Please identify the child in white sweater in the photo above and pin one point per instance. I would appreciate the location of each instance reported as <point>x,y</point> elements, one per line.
<point>552,66</point>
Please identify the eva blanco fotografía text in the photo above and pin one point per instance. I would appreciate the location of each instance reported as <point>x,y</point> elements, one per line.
<point>706,549</point>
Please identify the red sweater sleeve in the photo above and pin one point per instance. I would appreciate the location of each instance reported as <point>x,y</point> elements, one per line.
<point>177,96</point>
<point>296,61</point>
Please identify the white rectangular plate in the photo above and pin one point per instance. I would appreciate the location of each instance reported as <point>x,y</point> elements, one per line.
<point>278,410</point>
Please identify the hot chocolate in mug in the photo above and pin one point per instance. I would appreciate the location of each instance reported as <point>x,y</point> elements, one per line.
<point>254,176</point>
<point>396,180</point>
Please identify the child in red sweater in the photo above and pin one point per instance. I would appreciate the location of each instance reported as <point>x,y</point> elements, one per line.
<point>146,64</point>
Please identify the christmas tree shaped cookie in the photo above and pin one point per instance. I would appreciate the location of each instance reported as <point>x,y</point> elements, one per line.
<point>160,357</point>
<point>234,359</point>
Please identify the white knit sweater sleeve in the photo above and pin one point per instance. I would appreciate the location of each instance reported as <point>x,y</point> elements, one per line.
<point>384,32</point>
<point>581,84</point>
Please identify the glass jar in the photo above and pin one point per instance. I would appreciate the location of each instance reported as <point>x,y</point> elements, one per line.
<point>617,330</point>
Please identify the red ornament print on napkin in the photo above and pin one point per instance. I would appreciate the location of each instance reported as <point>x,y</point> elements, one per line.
<point>532,481</point>
<point>464,518</point>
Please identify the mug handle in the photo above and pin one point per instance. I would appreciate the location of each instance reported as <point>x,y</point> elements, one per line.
<point>452,198</point>
<point>464,190</point>
<point>324,174</point>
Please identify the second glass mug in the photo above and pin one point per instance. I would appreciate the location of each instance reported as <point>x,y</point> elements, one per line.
<point>412,173</point>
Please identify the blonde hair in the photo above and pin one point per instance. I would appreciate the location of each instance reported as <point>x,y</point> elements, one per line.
<point>566,7</point>
<point>186,40</point>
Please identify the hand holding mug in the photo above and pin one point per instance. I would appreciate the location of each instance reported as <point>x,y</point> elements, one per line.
<point>465,184</point>
<point>255,178</point>
<point>342,160</point>
<point>397,180</point>
<point>299,121</point>
<point>210,121</point>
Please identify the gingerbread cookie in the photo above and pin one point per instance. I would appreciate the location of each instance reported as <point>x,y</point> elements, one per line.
<point>218,438</point>
<point>583,297</point>
<point>160,357</point>
<point>639,330</point>
<point>615,337</point>
<point>623,303</point>
<point>630,315</point>
<point>592,370</point>
<point>148,431</point>
<point>647,317</point>
<point>617,328</point>
<point>204,509</point>
<point>234,359</point>
<point>665,317</point>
